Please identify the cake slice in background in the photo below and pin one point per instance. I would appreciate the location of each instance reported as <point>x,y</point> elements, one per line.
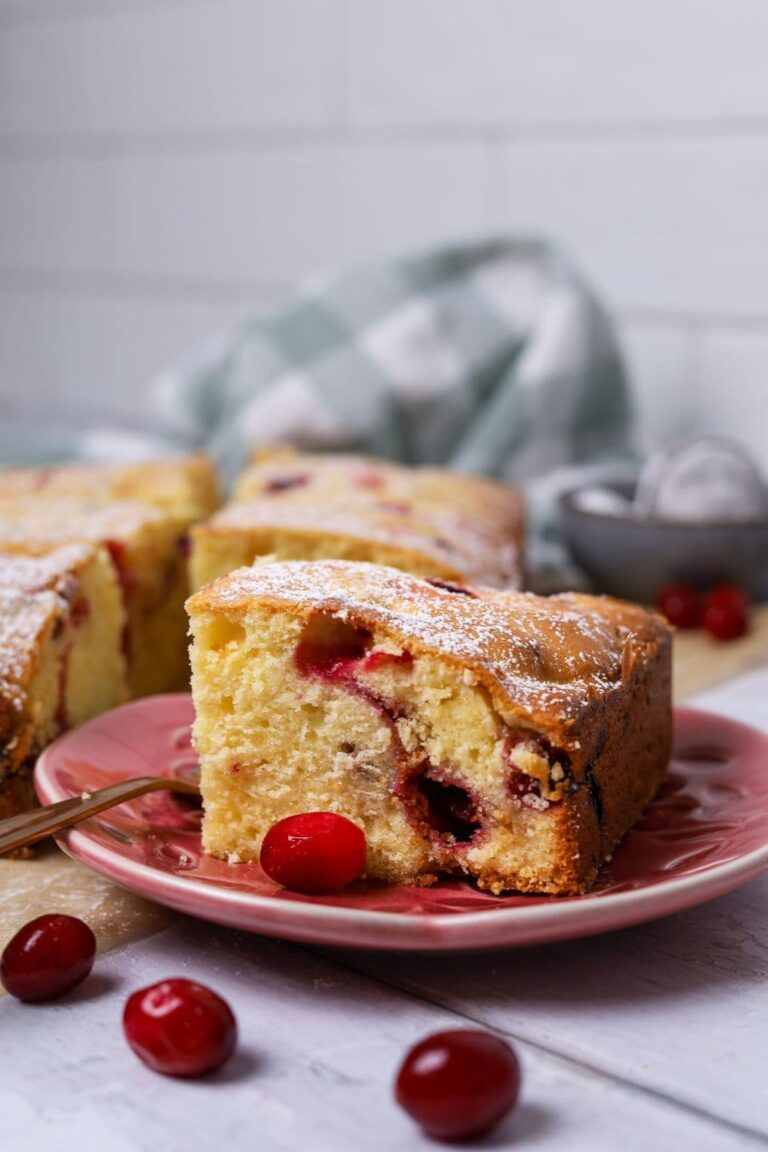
<point>508,737</point>
<point>185,486</point>
<point>141,514</point>
<point>148,548</point>
<point>292,505</point>
<point>61,659</point>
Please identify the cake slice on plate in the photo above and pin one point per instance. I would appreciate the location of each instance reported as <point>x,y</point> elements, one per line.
<point>148,549</point>
<point>500,735</point>
<point>297,506</point>
<point>61,660</point>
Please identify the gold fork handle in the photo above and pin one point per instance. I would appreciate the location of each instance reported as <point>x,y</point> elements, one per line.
<point>19,831</point>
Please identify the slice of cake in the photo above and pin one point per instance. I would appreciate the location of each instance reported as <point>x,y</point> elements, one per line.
<point>423,520</point>
<point>61,661</point>
<point>185,486</point>
<point>502,735</point>
<point>148,548</point>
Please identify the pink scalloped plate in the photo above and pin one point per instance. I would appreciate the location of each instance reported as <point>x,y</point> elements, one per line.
<point>705,834</point>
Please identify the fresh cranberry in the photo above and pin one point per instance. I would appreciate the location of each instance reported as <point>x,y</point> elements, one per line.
<point>726,612</point>
<point>180,1028</point>
<point>728,595</point>
<point>314,852</point>
<point>681,604</point>
<point>458,1084</point>
<point>47,957</point>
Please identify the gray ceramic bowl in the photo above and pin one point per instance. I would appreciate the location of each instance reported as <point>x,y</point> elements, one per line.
<point>633,558</point>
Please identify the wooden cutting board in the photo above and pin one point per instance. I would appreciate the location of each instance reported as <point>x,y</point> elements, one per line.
<point>700,662</point>
<point>51,882</point>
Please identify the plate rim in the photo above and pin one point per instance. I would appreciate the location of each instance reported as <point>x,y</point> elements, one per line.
<point>414,931</point>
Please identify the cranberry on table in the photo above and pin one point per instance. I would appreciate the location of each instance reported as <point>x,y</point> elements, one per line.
<point>681,604</point>
<point>728,596</point>
<point>314,852</point>
<point>47,957</point>
<point>458,1084</point>
<point>726,611</point>
<point>180,1028</point>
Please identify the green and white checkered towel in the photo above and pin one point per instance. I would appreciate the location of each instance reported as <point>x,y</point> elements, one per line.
<point>491,357</point>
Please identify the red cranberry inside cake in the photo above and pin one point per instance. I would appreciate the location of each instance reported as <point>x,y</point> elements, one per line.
<point>441,807</point>
<point>328,647</point>
<point>278,484</point>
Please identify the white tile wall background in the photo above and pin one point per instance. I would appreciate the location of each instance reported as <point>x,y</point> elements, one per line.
<point>165,164</point>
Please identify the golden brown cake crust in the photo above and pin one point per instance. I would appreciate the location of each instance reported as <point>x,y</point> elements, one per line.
<point>427,520</point>
<point>588,675</point>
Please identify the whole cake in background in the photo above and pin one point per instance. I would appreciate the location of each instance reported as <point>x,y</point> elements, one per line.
<point>507,737</point>
<point>93,577</point>
<point>298,506</point>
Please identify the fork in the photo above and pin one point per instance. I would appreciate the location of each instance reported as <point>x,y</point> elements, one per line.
<point>29,827</point>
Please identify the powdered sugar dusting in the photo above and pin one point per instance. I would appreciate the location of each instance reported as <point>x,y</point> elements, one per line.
<point>36,573</point>
<point>33,526</point>
<point>33,590</point>
<point>554,654</point>
<point>22,621</point>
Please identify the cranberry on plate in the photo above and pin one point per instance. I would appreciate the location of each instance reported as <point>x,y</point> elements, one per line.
<point>314,852</point>
<point>458,1084</point>
<point>47,957</point>
<point>180,1028</point>
<point>681,604</point>
<point>726,612</point>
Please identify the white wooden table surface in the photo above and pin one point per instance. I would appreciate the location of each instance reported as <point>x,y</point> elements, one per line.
<point>652,1038</point>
